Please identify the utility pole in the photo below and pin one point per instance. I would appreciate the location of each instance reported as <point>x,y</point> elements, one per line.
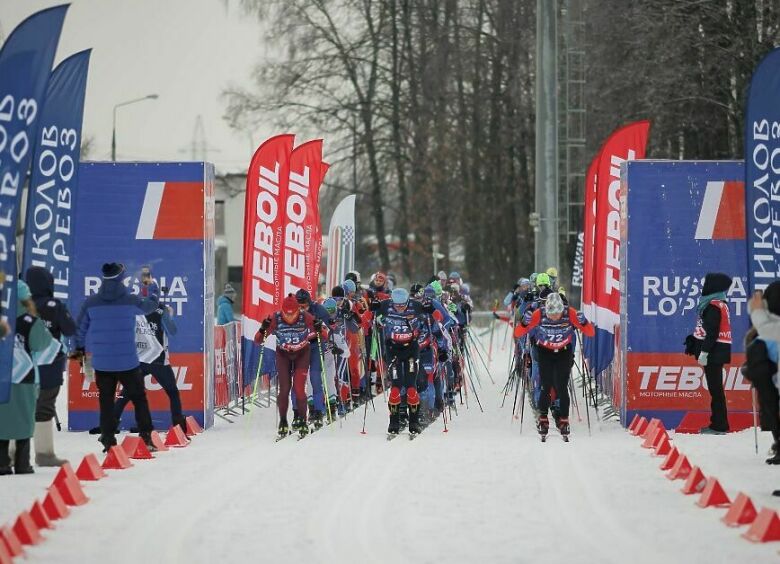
<point>545,218</point>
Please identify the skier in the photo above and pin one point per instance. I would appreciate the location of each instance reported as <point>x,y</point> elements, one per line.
<point>400,322</point>
<point>552,328</point>
<point>315,365</point>
<point>711,345</point>
<point>294,330</point>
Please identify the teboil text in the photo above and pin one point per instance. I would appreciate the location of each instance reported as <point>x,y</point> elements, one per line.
<point>294,234</point>
<point>612,239</point>
<point>150,384</point>
<point>266,210</point>
<point>659,379</point>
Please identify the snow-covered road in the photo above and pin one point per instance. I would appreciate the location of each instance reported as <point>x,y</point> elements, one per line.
<point>484,492</point>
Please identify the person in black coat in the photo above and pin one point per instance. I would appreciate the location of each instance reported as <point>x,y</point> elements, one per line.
<point>59,322</point>
<point>711,344</point>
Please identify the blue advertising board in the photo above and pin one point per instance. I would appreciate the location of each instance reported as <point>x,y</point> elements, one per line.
<point>160,216</point>
<point>682,220</point>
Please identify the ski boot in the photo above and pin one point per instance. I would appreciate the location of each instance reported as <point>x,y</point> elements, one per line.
<point>414,421</point>
<point>316,419</point>
<point>284,429</point>
<point>774,455</point>
<point>300,426</point>
<point>543,426</point>
<point>147,439</point>
<point>394,404</point>
<point>563,428</point>
<point>357,396</point>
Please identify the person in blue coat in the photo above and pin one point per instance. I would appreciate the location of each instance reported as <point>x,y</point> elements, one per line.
<point>106,331</point>
<point>225,305</point>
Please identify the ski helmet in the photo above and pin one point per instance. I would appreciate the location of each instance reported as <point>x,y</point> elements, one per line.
<point>330,305</point>
<point>543,279</point>
<point>349,287</point>
<point>400,296</point>
<point>552,272</point>
<point>337,292</point>
<point>554,304</point>
<point>303,296</point>
<point>378,280</point>
<point>429,293</point>
<point>454,275</point>
<point>524,282</point>
<point>436,285</point>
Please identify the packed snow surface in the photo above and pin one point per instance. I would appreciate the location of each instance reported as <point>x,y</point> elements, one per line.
<point>483,492</point>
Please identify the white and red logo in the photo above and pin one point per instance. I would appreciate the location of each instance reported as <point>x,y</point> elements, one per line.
<point>172,210</point>
<point>722,214</point>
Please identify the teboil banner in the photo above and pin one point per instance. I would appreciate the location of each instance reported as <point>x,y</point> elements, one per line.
<point>762,173</point>
<point>341,243</point>
<point>25,64</point>
<point>280,232</point>
<point>49,228</point>
<point>603,309</point>
<point>697,225</point>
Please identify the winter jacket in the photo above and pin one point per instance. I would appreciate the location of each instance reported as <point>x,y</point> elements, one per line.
<point>57,318</point>
<point>106,325</point>
<point>17,417</point>
<point>717,352</point>
<point>224,310</point>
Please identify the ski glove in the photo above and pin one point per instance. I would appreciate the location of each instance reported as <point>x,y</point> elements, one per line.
<point>318,325</point>
<point>337,350</point>
<point>443,356</point>
<point>703,358</point>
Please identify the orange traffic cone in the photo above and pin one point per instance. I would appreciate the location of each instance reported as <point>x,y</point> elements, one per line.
<point>116,459</point>
<point>90,470</point>
<point>640,427</point>
<point>765,528</point>
<point>713,495</point>
<point>671,459</point>
<point>741,512</point>
<point>680,470</point>
<point>135,447</point>
<point>39,516</point>
<point>158,442</point>
<point>695,482</point>
<point>193,428</point>
<point>176,438</point>
<point>26,530</point>
<point>54,505</point>
<point>664,447</point>
<point>11,542</point>
<point>71,492</point>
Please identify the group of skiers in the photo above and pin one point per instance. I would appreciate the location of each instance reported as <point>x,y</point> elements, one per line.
<point>545,332</point>
<point>361,341</point>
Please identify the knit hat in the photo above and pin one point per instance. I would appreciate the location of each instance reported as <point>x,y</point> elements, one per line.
<point>543,279</point>
<point>303,296</point>
<point>22,291</point>
<point>330,305</point>
<point>112,270</point>
<point>290,305</point>
<point>337,292</point>
<point>554,304</point>
<point>349,287</point>
<point>436,285</point>
<point>715,282</point>
<point>229,291</point>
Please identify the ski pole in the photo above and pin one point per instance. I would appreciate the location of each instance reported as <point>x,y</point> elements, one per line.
<point>522,398</point>
<point>492,331</point>
<point>481,358</point>
<point>514,403</point>
<point>323,378</point>
<point>755,417</point>
<point>573,395</point>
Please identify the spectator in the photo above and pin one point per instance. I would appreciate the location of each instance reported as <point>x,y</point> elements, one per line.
<point>59,322</point>
<point>225,305</point>
<point>17,417</point>
<point>106,330</point>
<point>762,360</point>
<point>711,344</point>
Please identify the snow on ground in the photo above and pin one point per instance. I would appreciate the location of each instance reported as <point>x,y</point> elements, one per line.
<point>483,492</point>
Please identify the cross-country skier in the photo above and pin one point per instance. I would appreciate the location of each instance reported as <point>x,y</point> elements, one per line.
<point>294,330</point>
<point>400,319</point>
<point>315,366</point>
<point>552,328</point>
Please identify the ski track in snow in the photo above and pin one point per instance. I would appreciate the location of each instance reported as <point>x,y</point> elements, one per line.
<point>484,492</point>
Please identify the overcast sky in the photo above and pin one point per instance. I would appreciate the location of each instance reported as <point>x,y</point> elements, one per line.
<point>187,51</point>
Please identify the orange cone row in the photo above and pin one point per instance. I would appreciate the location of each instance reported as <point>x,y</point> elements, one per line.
<point>66,491</point>
<point>764,525</point>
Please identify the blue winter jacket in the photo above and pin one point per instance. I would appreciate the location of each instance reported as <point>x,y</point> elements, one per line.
<point>106,325</point>
<point>224,310</point>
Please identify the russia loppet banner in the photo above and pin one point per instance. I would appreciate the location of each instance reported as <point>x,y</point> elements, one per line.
<point>762,172</point>
<point>697,225</point>
<point>341,243</point>
<point>157,215</point>
<point>625,144</point>
<point>49,227</point>
<point>25,65</point>
<point>264,240</point>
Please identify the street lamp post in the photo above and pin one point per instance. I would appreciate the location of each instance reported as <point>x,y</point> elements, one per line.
<point>113,128</point>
